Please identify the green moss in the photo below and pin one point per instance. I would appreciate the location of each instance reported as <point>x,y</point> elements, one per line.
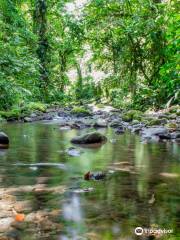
<point>134,122</point>
<point>171,125</point>
<point>155,122</point>
<point>132,115</point>
<point>100,105</point>
<point>174,109</point>
<point>36,106</point>
<point>80,110</point>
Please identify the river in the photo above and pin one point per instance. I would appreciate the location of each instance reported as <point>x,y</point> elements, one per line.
<point>146,193</point>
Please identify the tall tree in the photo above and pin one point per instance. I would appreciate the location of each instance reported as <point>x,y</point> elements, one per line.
<point>40,28</point>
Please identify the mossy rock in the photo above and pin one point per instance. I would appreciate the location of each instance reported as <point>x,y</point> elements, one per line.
<point>82,111</point>
<point>154,122</point>
<point>171,126</point>
<point>100,105</point>
<point>132,115</point>
<point>134,122</point>
<point>174,109</point>
<point>36,106</point>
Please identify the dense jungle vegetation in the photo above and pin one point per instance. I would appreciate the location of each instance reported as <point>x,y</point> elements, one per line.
<point>58,52</point>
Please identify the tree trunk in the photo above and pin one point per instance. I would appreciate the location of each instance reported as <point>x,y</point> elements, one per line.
<point>79,85</point>
<point>40,28</point>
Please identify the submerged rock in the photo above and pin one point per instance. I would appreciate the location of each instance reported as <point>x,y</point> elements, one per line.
<point>4,140</point>
<point>73,152</point>
<point>120,130</point>
<point>94,176</point>
<point>89,138</point>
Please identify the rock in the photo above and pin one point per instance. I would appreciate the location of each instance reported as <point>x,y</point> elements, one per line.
<point>89,138</point>
<point>94,176</point>
<point>65,128</point>
<point>155,121</point>
<point>135,122</point>
<point>120,130</point>
<point>174,109</point>
<point>162,116</point>
<point>48,117</point>
<point>115,124</point>
<point>19,225</point>
<point>175,135</point>
<point>164,136</point>
<point>80,111</point>
<point>5,224</point>
<point>154,131</point>
<point>76,126</point>
<point>172,116</point>
<point>136,130</point>
<point>100,123</point>
<point>27,119</point>
<point>171,125</point>
<point>73,152</point>
<point>132,115</point>
<point>4,140</point>
<point>33,115</point>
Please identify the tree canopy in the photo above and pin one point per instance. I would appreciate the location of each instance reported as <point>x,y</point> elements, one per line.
<point>134,44</point>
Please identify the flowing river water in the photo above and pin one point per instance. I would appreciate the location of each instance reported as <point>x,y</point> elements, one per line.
<point>145,192</point>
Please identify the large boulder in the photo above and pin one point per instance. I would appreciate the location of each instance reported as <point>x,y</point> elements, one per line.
<point>89,138</point>
<point>4,140</point>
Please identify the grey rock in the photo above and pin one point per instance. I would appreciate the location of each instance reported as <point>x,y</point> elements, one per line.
<point>73,152</point>
<point>154,131</point>
<point>33,115</point>
<point>136,130</point>
<point>115,124</point>
<point>101,123</point>
<point>120,130</point>
<point>175,135</point>
<point>27,119</point>
<point>90,138</point>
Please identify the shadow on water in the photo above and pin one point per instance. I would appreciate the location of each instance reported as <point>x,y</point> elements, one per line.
<point>146,195</point>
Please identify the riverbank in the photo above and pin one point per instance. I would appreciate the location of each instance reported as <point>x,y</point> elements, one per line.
<point>163,125</point>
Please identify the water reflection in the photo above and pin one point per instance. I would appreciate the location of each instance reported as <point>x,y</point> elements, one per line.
<point>72,213</point>
<point>115,206</point>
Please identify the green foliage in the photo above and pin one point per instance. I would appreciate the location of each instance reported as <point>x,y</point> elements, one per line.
<point>132,115</point>
<point>134,43</point>
<point>11,115</point>
<point>80,110</point>
<point>36,106</point>
<point>138,43</point>
<point>18,63</point>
